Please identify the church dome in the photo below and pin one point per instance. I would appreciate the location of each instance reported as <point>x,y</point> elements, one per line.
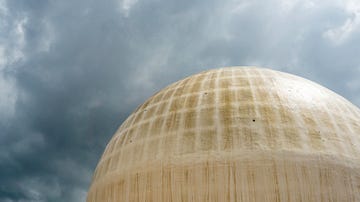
<point>235,134</point>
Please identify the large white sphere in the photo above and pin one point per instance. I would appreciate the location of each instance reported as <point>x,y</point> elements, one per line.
<point>235,134</point>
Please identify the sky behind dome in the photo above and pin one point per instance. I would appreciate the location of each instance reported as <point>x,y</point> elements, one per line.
<point>72,71</point>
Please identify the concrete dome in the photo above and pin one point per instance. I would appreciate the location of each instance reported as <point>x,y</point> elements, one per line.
<point>235,134</point>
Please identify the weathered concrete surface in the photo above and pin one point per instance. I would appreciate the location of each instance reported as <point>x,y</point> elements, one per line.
<point>235,134</point>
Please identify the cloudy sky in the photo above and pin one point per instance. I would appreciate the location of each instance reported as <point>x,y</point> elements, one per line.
<point>72,71</point>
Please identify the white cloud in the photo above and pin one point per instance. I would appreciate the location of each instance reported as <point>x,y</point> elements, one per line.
<point>290,5</point>
<point>238,7</point>
<point>12,42</point>
<point>19,33</point>
<point>126,5</point>
<point>340,34</point>
<point>10,52</point>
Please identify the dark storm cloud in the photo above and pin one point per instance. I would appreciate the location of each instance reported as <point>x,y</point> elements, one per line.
<point>72,71</point>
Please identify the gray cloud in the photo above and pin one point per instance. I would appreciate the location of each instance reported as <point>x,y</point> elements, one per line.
<point>70,73</point>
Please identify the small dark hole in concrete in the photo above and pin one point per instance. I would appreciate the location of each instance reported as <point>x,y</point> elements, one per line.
<point>130,141</point>
<point>205,93</point>
<point>253,120</point>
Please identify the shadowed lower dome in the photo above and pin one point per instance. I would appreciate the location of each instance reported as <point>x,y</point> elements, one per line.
<point>235,134</point>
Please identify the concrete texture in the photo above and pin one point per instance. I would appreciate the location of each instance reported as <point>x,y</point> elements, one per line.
<point>235,134</point>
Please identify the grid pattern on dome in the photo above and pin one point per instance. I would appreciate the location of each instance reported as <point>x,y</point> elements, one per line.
<point>228,110</point>
<point>235,134</point>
